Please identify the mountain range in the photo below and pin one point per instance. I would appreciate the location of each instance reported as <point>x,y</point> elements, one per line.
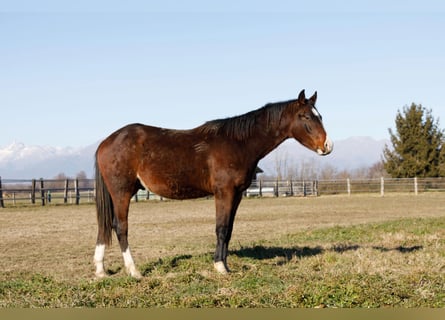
<point>19,161</point>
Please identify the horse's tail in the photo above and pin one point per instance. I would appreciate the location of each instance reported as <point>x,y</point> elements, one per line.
<point>105,210</point>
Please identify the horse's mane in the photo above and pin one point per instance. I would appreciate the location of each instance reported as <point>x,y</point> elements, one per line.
<point>243,126</point>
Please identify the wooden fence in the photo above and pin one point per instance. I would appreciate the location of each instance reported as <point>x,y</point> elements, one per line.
<point>345,186</point>
<point>75,191</point>
<point>382,186</point>
<point>45,191</point>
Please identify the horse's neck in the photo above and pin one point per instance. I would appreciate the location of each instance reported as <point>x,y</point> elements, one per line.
<point>269,146</point>
<point>267,138</point>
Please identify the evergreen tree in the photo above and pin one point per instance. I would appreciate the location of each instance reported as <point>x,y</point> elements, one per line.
<point>418,145</point>
<point>442,161</point>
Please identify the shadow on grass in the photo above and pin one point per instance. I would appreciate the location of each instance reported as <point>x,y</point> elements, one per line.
<point>260,252</point>
<point>113,270</point>
<point>264,253</point>
<point>401,249</point>
<point>166,264</point>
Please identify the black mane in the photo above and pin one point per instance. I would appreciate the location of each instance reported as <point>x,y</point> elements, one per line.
<point>243,126</point>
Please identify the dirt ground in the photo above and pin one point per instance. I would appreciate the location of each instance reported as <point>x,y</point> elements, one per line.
<point>59,240</point>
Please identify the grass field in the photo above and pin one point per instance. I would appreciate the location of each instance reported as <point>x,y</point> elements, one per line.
<point>330,251</point>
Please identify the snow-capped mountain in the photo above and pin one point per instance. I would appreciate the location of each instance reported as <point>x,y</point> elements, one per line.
<point>19,161</point>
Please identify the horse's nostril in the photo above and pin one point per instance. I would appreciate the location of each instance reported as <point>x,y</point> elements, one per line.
<point>328,146</point>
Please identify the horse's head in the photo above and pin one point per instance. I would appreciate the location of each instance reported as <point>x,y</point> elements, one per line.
<point>307,126</point>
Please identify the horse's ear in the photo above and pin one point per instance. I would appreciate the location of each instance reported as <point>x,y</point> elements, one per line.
<point>302,97</point>
<point>313,99</point>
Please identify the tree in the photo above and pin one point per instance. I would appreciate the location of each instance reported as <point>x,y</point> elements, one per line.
<point>61,176</point>
<point>58,182</point>
<point>328,172</point>
<point>281,165</point>
<point>377,170</point>
<point>81,175</point>
<point>442,161</point>
<point>418,145</point>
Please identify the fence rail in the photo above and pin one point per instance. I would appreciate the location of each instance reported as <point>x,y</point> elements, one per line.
<point>46,191</point>
<point>75,191</point>
<point>381,186</point>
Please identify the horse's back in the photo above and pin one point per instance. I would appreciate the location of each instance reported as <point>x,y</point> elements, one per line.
<point>178,164</point>
<point>168,162</point>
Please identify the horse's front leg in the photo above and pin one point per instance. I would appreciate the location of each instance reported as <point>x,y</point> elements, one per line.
<point>226,206</point>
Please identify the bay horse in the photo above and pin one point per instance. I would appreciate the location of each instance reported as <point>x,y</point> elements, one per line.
<point>217,158</point>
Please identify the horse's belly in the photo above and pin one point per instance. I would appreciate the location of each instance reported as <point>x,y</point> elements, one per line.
<point>180,192</point>
<point>173,187</point>
<point>187,193</point>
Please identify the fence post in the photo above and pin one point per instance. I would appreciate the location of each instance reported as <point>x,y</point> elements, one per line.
<point>42,191</point>
<point>2,204</point>
<point>260,192</point>
<point>382,187</point>
<point>415,186</point>
<point>76,190</point>
<point>315,186</point>
<point>65,191</point>
<point>304,189</point>
<point>348,186</point>
<point>276,192</point>
<point>33,191</point>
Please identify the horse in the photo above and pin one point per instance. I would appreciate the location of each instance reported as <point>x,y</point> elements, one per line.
<point>218,158</point>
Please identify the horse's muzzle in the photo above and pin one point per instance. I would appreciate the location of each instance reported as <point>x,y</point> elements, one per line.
<point>327,147</point>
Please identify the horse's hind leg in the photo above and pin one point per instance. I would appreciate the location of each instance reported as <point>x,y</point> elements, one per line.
<point>121,228</point>
<point>99,254</point>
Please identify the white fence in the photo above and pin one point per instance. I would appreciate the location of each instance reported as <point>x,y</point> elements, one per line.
<point>382,186</point>
<point>74,191</point>
<point>282,188</point>
<point>345,186</point>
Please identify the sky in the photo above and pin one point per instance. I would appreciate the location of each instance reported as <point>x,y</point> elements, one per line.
<point>72,72</point>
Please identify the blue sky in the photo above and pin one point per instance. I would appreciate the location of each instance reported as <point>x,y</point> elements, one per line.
<point>70,74</point>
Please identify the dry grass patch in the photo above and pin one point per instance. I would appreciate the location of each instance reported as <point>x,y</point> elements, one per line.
<point>288,252</point>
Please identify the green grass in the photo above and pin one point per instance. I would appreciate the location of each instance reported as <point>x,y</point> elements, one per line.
<point>400,263</point>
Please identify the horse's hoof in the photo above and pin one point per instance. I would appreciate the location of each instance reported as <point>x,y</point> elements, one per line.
<point>100,275</point>
<point>133,272</point>
<point>136,274</point>
<point>221,268</point>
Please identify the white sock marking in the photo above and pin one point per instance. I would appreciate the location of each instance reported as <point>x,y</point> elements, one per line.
<point>99,260</point>
<point>129,264</point>
<point>220,267</point>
